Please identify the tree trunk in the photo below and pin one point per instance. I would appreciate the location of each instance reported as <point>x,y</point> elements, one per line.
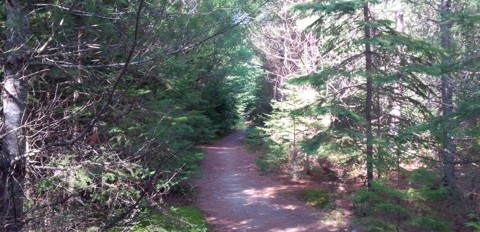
<point>448,146</point>
<point>396,111</point>
<point>380,165</point>
<point>78,77</point>
<point>369,103</point>
<point>14,97</point>
<point>295,152</point>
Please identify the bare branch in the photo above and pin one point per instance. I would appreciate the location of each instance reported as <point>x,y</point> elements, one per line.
<point>109,100</point>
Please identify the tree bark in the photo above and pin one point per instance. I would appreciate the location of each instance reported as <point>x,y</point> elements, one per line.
<point>14,97</point>
<point>369,98</point>
<point>396,112</point>
<point>448,146</point>
<point>294,152</point>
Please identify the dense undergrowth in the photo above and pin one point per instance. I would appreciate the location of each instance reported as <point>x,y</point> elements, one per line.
<point>385,208</point>
<point>412,200</point>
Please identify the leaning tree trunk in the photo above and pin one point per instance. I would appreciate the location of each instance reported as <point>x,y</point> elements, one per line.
<point>448,146</point>
<point>14,97</point>
<point>369,87</point>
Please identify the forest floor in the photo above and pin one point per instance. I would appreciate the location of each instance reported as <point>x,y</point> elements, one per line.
<point>234,195</point>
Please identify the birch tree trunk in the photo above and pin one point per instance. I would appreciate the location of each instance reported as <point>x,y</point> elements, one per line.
<point>14,97</point>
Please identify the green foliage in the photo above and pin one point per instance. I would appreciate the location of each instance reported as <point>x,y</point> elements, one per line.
<point>317,197</point>
<point>255,136</point>
<point>339,7</point>
<point>182,89</point>
<point>271,155</point>
<point>384,207</point>
<point>431,224</point>
<point>475,224</point>
<point>191,74</point>
<point>258,105</point>
<point>409,61</point>
<point>429,187</point>
<point>171,219</point>
<point>376,225</point>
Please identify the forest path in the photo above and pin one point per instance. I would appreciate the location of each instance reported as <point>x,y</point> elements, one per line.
<point>235,197</point>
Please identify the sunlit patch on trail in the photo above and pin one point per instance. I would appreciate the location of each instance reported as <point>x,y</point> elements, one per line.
<point>265,192</point>
<point>218,148</point>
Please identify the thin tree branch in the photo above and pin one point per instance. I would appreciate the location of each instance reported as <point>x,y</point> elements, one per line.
<point>109,100</point>
<point>75,12</point>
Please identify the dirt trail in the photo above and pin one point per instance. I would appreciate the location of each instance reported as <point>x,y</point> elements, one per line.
<point>235,197</point>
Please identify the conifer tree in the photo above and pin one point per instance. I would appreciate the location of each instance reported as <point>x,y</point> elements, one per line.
<point>336,18</point>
